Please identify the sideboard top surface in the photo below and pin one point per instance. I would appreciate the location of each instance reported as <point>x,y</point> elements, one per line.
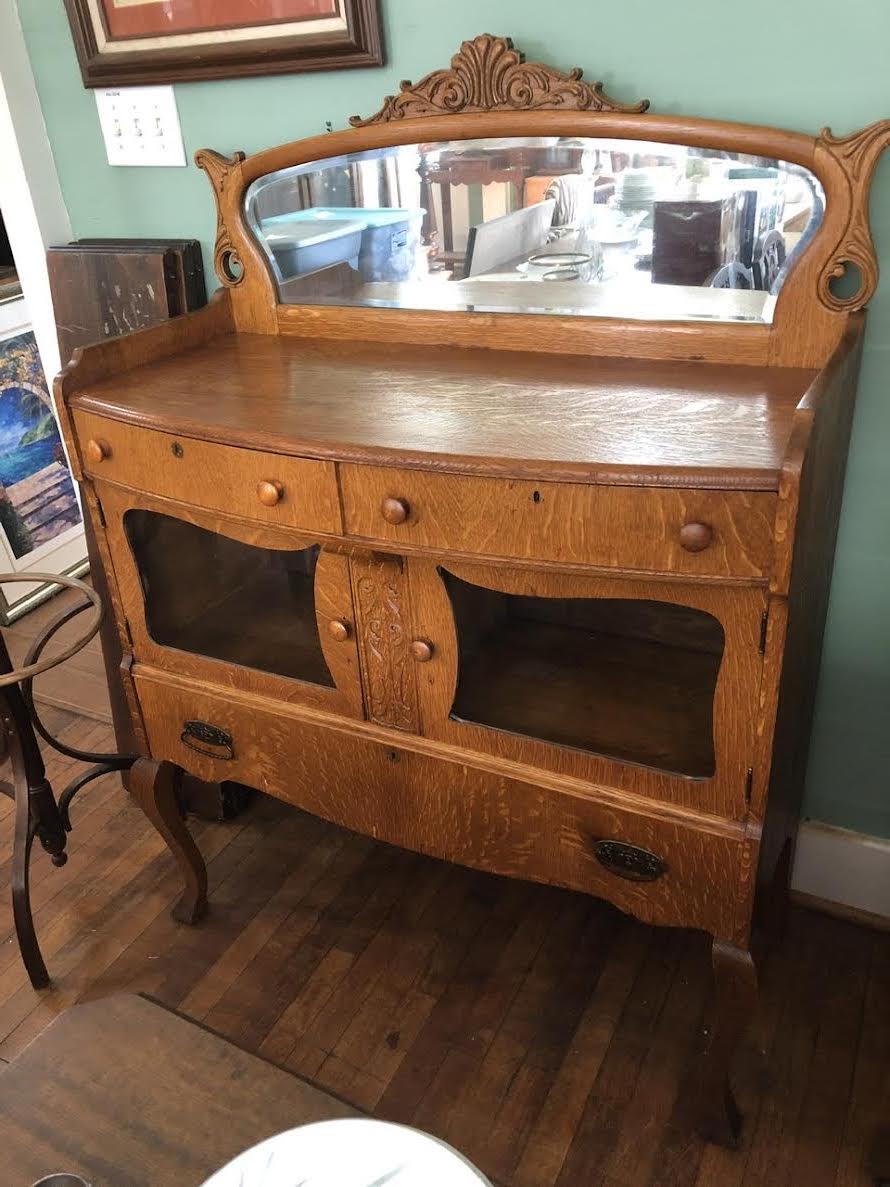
<point>475,411</point>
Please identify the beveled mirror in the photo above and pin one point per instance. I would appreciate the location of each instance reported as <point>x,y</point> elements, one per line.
<point>498,189</point>
<point>549,224</point>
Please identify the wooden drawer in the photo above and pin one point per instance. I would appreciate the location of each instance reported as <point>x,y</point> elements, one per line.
<point>640,528</point>
<point>697,876</point>
<point>303,492</point>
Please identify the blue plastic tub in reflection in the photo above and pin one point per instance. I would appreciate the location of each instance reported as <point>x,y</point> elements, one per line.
<point>311,239</point>
<point>386,248</point>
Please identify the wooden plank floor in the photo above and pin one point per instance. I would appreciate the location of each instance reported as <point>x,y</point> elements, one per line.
<point>539,1031</point>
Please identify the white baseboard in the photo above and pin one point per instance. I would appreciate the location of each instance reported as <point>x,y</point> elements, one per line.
<point>843,867</point>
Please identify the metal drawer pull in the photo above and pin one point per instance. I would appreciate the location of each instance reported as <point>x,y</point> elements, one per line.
<point>201,737</point>
<point>628,861</point>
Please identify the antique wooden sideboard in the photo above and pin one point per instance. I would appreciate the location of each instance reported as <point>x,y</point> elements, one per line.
<point>498,574</point>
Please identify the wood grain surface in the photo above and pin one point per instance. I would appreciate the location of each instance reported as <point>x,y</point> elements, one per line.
<point>618,527</point>
<point>454,811</point>
<point>218,477</point>
<point>601,420</point>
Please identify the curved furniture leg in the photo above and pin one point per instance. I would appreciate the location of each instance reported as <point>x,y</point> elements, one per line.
<point>735,982</point>
<point>153,786</point>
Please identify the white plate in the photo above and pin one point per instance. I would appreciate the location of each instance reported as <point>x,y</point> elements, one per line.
<point>351,1152</point>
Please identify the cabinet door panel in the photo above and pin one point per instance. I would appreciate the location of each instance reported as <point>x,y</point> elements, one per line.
<point>262,609</point>
<point>647,686</point>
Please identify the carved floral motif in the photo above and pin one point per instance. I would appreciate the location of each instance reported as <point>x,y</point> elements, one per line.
<point>226,261</point>
<point>488,74</point>
<point>388,667</point>
<point>857,155</point>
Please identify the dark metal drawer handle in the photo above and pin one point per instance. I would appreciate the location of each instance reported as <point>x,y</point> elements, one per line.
<point>202,738</point>
<point>629,861</point>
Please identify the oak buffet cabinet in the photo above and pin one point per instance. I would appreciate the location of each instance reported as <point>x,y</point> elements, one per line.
<point>524,568</point>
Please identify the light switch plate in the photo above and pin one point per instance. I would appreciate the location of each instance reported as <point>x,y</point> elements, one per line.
<point>140,126</point>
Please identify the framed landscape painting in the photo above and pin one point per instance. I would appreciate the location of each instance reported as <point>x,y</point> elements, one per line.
<point>138,42</point>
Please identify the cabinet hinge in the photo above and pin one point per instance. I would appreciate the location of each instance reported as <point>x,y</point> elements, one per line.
<point>749,784</point>
<point>100,513</point>
<point>128,632</point>
<point>764,627</point>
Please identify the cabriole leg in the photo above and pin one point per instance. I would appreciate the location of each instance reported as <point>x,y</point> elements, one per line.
<point>735,984</point>
<point>153,786</point>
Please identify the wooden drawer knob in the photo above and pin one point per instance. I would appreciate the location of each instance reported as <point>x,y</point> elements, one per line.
<point>339,629</point>
<point>394,510</point>
<point>696,537</point>
<point>97,451</point>
<point>422,650</point>
<point>270,492</point>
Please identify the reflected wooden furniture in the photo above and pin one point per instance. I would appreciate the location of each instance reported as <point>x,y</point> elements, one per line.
<point>541,595</point>
<point>123,1090</point>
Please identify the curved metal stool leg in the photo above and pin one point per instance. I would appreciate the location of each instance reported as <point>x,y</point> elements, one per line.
<point>37,814</point>
<point>29,782</point>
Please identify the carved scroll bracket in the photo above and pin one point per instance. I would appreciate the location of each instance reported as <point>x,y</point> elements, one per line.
<point>488,74</point>
<point>858,156</point>
<point>223,172</point>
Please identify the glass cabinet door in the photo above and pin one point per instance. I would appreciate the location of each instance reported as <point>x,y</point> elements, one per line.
<point>634,684</point>
<point>214,596</point>
<point>628,679</point>
<point>248,606</point>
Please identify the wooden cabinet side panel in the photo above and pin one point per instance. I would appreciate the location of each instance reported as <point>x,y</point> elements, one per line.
<point>816,474</point>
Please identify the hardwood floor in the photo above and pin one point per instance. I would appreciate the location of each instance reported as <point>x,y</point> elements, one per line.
<point>539,1031</point>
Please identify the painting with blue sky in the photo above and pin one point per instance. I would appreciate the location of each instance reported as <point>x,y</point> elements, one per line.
<point>37,499</point>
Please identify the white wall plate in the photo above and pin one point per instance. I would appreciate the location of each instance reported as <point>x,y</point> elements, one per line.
<point>140,126</point>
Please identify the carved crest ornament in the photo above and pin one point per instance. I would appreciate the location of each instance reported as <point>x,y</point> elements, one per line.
<point>488,74</point>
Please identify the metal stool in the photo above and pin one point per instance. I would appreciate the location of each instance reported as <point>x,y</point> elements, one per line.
<point>37,812</point>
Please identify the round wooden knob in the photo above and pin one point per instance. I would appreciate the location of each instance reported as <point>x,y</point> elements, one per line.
<point>422,651</point>
<point>269,492</point>
<point>97,451</point>
<point>695,537</point>
<point>338,629</point>
<point>394,510</point>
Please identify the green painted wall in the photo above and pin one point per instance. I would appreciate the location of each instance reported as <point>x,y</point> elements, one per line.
<point>794,63</point>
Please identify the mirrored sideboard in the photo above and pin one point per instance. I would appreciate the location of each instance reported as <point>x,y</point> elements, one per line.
<point>489,508</point>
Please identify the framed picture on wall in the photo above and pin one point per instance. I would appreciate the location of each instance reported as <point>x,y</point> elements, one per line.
<point>40,521</point>
<point>138,42</point>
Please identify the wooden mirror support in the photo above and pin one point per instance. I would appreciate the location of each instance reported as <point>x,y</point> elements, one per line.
<point>537,594</point>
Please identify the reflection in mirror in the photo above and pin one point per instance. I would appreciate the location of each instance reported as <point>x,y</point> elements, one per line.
<point>610,228</point>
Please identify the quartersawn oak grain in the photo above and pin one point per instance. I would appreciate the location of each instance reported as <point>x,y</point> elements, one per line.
<point>594,419</point>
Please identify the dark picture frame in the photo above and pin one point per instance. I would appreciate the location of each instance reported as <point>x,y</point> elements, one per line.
<point>283,51</point>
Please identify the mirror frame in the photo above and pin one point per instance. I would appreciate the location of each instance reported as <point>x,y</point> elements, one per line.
<point>491,91</point>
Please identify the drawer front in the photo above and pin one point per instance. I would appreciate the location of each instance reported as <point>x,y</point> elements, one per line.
<point>264,487</point>
<point>662,871</point>
<point>696,532</point>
